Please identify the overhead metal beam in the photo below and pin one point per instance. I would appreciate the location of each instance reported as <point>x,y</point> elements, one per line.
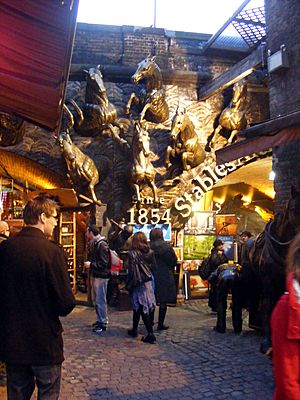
<point>228,22</point>
<point>240,70</point>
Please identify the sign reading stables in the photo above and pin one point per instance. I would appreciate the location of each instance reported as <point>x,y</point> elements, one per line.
<point>208,178</point>
<point>203,182</point>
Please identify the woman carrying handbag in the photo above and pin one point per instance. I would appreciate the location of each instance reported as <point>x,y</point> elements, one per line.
<point>141,265</point>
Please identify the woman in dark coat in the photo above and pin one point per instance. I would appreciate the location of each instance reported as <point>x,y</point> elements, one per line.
<point>142,295</point>
<point>165,288</point>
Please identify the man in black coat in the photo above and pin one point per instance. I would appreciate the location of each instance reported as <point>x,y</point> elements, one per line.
<point>34,291</point>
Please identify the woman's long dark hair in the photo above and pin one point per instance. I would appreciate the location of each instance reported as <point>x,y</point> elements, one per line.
<point>139,242</point>
<point>293,256</point>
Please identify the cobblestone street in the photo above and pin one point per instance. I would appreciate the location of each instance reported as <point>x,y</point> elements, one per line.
<point>189,361</point>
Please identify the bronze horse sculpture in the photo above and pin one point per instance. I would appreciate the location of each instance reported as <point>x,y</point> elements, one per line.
<point>151,103</point>
<point>186,142</point>
<point>99,113</point>
<point>267,261</point>
<point>82,171</point>
<point>233,118</point>
<point>142,168</point>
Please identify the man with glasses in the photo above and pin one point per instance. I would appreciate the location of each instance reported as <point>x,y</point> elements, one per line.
<point>34,292</point>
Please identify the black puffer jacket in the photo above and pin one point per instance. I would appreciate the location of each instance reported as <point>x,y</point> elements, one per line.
<point>165,289</point>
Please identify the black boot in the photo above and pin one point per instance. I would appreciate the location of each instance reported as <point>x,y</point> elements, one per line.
<point>237,320</point>
<point>135,323</point>
<point>150,338</point>
<point>221,310</point>
<point>151,314</point>
<point>161,317</point>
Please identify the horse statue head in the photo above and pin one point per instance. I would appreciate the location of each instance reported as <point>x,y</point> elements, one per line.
<point>151,101</point>
<point>232,119</point>
<point>145,69</point>
<point>186,145</point>
<point>180,121</point>
<point>140,140</point>
<point>239,93</point>
<point>142,171</point>
<point>94,84</point>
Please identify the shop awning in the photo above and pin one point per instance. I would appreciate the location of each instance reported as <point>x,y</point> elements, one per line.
<point>36,39</point>
<point>262,137</point>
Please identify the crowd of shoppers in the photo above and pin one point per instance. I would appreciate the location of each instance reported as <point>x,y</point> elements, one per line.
<point>34,285</point>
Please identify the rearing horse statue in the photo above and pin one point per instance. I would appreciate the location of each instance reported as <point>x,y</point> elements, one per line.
<point>98,112</point>
<point>151,103</point>
<point>186,142</point>
<point>142,168</point>
<point>82,171</point>
<point>267,258</point>
<point>233,118</point>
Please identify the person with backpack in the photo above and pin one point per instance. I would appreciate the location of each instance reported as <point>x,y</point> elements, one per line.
<point>99,266</point>
<point>216,258</point>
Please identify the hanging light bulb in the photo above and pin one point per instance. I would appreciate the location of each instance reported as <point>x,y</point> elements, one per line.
<point>271,176</point>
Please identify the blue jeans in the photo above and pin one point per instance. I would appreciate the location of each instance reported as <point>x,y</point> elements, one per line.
<point>100,288</point>
<point>21,381</point>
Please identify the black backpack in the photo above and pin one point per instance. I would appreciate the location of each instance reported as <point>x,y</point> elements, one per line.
<point>205,269</point>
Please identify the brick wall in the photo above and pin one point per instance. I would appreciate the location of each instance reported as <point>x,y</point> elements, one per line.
<point>128,45</point>
<point>283,22</point>
<point>283,27</point>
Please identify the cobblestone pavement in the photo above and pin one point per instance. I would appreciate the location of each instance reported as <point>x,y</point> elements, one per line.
<point>189,361</point>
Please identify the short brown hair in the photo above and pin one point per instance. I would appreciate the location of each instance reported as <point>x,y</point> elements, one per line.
<point>293,256</point>
<point>36,206</point>
<point>156,234</point>
<point>139,241</point>
<point>94,229</point>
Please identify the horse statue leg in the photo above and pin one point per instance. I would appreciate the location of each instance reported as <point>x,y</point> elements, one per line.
<point>115,135</point>
<point>187,159</point>
<point>154,190</point>
<point>145,109</point>
<point>133,98</point>
<point>215,135</point>
<point>137,192</point>
<point>94,197</point>
<point>232,136</point>
<point>170,152</point>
